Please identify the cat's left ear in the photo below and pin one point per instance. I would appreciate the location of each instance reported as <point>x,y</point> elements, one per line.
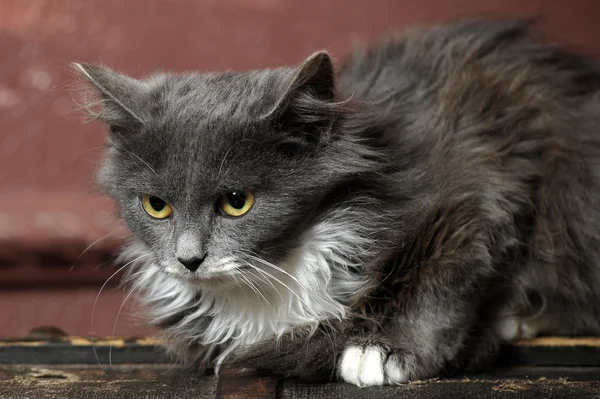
<point>305,108</point>
<point>122,97</point>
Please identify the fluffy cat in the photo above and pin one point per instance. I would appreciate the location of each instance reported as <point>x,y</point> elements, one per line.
<point>391,221</point>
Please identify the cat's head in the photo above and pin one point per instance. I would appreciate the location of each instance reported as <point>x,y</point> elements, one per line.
<point>211,171</point>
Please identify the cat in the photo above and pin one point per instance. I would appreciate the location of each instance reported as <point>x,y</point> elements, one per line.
<point>395,219</point>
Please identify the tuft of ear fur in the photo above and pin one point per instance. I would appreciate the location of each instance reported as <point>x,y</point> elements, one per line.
<point>306,107</point>
<point>119,98</point>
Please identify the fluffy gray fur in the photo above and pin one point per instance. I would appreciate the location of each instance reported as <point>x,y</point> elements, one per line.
<point>440,193</point>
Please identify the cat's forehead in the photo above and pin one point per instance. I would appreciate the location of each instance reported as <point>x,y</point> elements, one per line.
<point>202,116</point>
<point>207,125</point>
<point>220,95</point>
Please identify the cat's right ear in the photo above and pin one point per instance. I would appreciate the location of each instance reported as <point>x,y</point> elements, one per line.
<point>118,99</point>
<point>305,108</point>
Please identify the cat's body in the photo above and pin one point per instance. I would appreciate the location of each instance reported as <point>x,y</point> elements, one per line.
<point>444,195</point>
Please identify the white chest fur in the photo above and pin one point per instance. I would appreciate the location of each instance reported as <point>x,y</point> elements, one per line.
<point>313,285</point>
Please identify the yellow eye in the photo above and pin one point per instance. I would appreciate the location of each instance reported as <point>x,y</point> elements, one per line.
<point>236,203</point>
<point>156,207</point>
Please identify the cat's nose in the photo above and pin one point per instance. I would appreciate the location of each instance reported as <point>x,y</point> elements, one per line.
<point>192,264</point>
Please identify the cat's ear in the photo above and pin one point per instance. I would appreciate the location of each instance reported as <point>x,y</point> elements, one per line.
<point>314,77</point>
<point>305,108</point>
<point>119,98</point>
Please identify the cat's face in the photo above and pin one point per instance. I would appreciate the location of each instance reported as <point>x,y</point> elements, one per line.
<point>217,174</point>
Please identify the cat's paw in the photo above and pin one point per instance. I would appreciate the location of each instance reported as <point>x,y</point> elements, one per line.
<point>370,366</point>
<point>513,328</point>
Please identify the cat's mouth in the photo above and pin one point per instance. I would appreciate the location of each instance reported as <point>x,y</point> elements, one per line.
<point>201,278</point>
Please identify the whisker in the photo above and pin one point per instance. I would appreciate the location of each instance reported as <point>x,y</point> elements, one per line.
<point>228,151</point>
<point>263,280</point>
<point>266,280</point>
<point>86,151</point>
<point>279,269</point>
<point>280,282</point>
<point>257,291</point>
<point>90,247</point>
<point>117,321</point>
<point>135,156</point>
<point>96,302</point>
<point>239,284</point>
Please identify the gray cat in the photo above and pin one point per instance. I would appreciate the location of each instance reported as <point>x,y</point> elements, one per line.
<point>393,221</point>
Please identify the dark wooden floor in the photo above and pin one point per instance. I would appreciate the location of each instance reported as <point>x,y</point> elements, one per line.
<point>151,381</point>
<point>68,369</point>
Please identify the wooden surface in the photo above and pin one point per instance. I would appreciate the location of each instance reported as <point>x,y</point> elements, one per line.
<point>66,367</point>
<point>162,381</point>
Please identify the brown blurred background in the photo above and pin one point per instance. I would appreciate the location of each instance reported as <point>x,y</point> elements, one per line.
<point>50,273</point>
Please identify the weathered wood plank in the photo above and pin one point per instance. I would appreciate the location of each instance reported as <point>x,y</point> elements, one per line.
<point>66,367</point>
<point>151,381</point>
<point>548,351</point>
<point>239,384</point>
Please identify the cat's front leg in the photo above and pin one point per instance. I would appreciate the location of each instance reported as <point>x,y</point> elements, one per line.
<point>373,362</point>
<point>433,326</point>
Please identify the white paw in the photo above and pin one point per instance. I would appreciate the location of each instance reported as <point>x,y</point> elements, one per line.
<point>370,366</point>
<point>514,328</point>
